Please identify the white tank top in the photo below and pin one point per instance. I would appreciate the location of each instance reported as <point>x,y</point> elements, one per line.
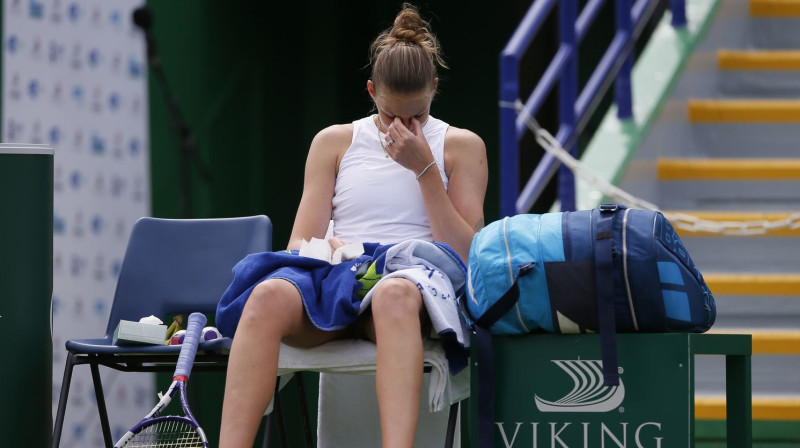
<point>376,199</point>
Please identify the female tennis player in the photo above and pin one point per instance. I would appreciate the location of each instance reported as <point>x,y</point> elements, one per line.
<point>396,175</point>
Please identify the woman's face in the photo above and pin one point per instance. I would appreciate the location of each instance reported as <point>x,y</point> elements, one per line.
<point>404,106</point>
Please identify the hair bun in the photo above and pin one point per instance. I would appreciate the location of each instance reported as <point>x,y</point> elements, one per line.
<point>409,26</point>
<point>404,57</point>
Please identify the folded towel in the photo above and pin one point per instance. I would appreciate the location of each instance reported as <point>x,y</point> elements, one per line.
<point>440,276</point>
<point>356,356</point>
<point>349,415</point>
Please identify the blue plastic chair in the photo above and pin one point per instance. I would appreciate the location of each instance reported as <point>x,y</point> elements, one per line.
<point>171,266</point>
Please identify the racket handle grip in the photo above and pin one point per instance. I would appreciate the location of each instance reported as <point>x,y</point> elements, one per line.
<point>190,342</point>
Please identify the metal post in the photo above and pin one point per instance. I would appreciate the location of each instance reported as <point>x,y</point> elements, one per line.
<point>678,8</point>
<point>622,85</point>
<point>568,93</point>
<point>509,143</point>
<point>739,405</point>
<point>509,94</point>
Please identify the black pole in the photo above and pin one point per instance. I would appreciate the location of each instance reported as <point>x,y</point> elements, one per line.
<point>143,19</point>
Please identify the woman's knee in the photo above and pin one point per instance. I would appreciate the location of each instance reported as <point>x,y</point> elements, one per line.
<point>274,303</point>
<point>396,298</point>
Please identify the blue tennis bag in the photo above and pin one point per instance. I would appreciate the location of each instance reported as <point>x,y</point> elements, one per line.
<point>562,262</point>
<point>606,270</point>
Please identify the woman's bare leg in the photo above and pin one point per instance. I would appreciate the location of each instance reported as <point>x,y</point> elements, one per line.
<point>274,312</point>
<point>395,328</point>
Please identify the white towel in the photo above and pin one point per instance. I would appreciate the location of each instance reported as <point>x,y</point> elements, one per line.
<point>439,275</point>
<point>359,356</point>
<point>349,415</point>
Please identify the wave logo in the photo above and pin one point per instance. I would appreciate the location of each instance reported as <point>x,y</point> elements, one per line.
<point>589,394</point>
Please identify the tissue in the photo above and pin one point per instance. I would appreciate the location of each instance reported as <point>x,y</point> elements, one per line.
<point>321,250</point>
<point>151,320</point>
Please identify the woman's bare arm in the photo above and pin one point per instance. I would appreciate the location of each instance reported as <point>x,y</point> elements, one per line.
<point>456,214</point>
<point>314,212</point>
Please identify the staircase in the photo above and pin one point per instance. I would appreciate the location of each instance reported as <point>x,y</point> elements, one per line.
<point>726,147</point>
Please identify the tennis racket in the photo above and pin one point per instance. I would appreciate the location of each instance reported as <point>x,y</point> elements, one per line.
<point>172,431</point>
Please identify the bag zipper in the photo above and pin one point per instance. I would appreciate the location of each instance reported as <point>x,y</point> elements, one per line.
<point>508,250</point>
<point>625,267</point>
<point>511,271</point>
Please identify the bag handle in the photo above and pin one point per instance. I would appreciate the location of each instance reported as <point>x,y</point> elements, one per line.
<point>505,302</point>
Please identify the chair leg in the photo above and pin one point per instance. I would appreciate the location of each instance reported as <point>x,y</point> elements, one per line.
<point>451,425</point>
<point>301,391</point>
<point>101,405</point>
<point>62,399</point>
<point>276,418</point>
<point>269,426</point>
<point>281,420</point>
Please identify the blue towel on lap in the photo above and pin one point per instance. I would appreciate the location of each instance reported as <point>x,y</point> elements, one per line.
<point>332,294</point>
<point>328,291</point>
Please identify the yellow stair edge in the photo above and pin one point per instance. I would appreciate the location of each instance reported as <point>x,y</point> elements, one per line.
<point>744,111</point>
<point>764,408</point>
<point>775,8</point>
<point>758,60</point>
<point>670,169</point>
<point>753,220</point>
<point>753,284</point>
<point>768,342</point>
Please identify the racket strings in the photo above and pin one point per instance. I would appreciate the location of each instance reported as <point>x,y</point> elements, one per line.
<point>167,434</point>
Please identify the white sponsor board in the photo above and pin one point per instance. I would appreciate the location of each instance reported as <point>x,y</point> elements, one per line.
<point>74,77</point>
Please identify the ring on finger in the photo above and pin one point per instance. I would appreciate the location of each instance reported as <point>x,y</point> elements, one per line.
<point>390,142</point>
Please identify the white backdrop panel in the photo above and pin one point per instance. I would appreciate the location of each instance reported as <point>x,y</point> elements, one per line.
<point>75,77</point>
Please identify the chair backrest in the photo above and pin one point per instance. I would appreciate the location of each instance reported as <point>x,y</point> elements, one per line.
<point>179,266</point>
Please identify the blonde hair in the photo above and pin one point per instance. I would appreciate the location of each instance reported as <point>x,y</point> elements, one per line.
<point>404,57</point>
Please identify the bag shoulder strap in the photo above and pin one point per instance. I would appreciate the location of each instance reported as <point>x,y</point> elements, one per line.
<point>485,368</point>
<point>604,285</point>
<point>485,359</point>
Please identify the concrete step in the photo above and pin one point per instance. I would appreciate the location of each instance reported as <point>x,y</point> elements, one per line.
<point>750,169</point>
<point>764,60</point>
<point>736,255</point>
<point>715,195</point>
<point>746,284</point>
<point>764,408</point>
<point>768,341</point>
<point>756,301</point>
<point>742,85</point>
<point>744,111</point>
<point>775,342</point>
<point>742,74</point>
<point>756,311</point>
<point>773,375</point>
<point>774,364</point>
<point>723,75</point>
<point>775,8</point>
<point>724,148</point>
<point>735,26</point>
<point>673,135</point>
<point>773,23</point>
